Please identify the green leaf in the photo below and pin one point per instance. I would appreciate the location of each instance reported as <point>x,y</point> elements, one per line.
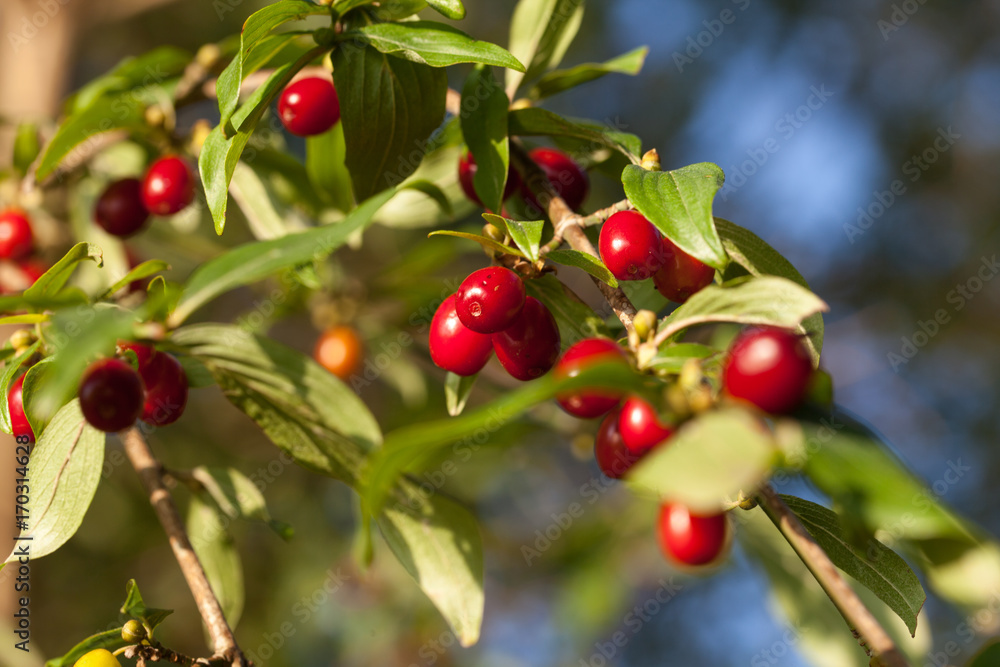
<point>26,146</point>
<point>484,241</point>
<point>34,378</point>
<point>19,302</point>
<point>217,553</point>
<point>989,656</point>
<point>432,43</point>
<point>389,107</point>
<point>250,194</point>
<point>136,607</point>
<point>151,68</point>
<point>109,639</point>
<point>65,470</point>
<point>7,374</point>
<point>325,155</point>
<point>50,282</point>
<point>765,300</point>
<point>671,358</point>
<point>540,33</point>
<point>236,495</point>
<point>759,259</point>
<point>456,392</point>
<point>255,261</point>
<point>527,234</point>
<point>535,122</point>
<point>484,127</point>
<point>679,203</point>
<point>255,31</point>
<point>877,567</point>
<point>709,461</point>
<point>582,260</point>
<point>27,318</point>
<point>576,320</point>
<point>148,268</point>
<point>561,80</point>
<point>437,542</point>
<point>453,9</point>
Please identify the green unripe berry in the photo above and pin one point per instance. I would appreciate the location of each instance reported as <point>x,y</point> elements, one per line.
<point>133,632</point>
<point>98,658</point>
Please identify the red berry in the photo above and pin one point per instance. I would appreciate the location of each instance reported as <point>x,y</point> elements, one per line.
<point>567,179</point>
<point>166,390</point>
<point>681,275</point>
<point>688,538</point>
<point>143,353</point>
<point>630,246</point>
<point>168,186</point>
<point>490,299</point>
<point>119,209</point>
<point>768,367</point>
<point>309,106</point>
<point>613,456</point>
<point>593,403</point>
<point>16,238</point>
<point>111,395</point>
<point>454,346</point>
<point>641,427</point>
<point>529,347</point>
<point>15,404</point>
<point>467,171</point>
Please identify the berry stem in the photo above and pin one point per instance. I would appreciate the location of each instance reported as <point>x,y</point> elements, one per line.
<point>861,622</point>
<point>150,471</point>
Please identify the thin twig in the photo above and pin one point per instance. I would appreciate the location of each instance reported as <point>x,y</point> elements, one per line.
<point>861,622</point>
<point>151,473</point>
<point>595,218</point>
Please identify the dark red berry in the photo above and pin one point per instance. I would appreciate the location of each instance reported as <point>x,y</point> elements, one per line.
<point>119,209</point>
<point>15,404</point>
<point>588,404</point>
<point>166,390</point>
<point>111,395</point>
<point>454,346</point>
<point>168,186</point>
<point>681,274</point>
<point>688,538</point>
<point>490,299</point>
<point>529,347</point>
<point>309,106</point>
<point>16,238</point>
<point>641,427</point>
<point>467,171</point>
<point>613,456</point>
<point>768,367</point>
<point>567,179</point>
<point>630,246</point>
<point>143,353</point>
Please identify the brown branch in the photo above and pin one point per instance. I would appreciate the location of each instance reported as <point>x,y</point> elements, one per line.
<point>151,473</point>
<point>595,218</point>
<point>865,627</point>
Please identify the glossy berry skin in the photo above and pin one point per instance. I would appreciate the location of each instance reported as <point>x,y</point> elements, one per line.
<point>467,171</point>
<point>567,179</point>
<point>16,238</point>
<point>168,186</point>
<point>166,390</point>
<point>18,420</point>
<point>111,395</point>
<point>119,209</point>
<point>529,347</point>
<point>490,299</point>
<point>640,426</point>
<point>98,658</point>
<point>613,456</point>
<point>454,346</point>
<point>594,403</point>
<point>309,106</point>
<point>690,539</point>
<point>768,367</point>
<point>630,246</point>
<point>340,351</point>
<point>681,274</point>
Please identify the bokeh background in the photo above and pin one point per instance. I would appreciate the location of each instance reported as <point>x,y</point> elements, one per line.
<point>860,138</point>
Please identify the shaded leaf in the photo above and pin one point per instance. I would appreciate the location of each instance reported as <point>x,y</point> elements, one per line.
<point>484,127</point>
<point>576,320</point>
<point>325,155</point>
<point>541,122</point>
<point>217,553</point>
<point>456,392</point>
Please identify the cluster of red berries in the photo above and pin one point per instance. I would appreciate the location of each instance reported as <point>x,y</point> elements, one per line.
<point>633,249</point>
<point>125,205</point>
<point>309,106</point>
<point>489,313</point>
<point>567,178</point>
<point>17,241</point>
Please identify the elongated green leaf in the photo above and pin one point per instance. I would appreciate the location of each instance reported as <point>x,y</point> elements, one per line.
<point>484,127</point>
<point>259,208</point>
<point>218,556</point>
<point>877,567</point>
<point>679,203</point>
<point>148,268</point>
<point>50,282</point>
<point>325,155</point>
<point>535,122</point>
<point>453,9</point>
<point>456,392</point>
<point>527,234</point>
<point>26,146</point>
<point>432,43</point>
<point>765,300</point>
<point>27,318</point>
<point>576,320</point>
<point>582,260</point>
<point>709,461</point>
<point>560,80</point>
<point>237,496</point>
<point>989,656</point>
<point>540,33</point>
<point>437,542</point>
<point>34,378</point>
<point>19,302</point>
<point>65,470</point>
<point>154,67</point>
<point>136,607</point>
<point>484,241</point>
<point>109,639</point>
<point>7,373</point>
<point>671,358</point>
<point>251,262</point>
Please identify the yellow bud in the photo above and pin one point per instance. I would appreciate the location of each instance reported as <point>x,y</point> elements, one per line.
<point>98,658</point>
